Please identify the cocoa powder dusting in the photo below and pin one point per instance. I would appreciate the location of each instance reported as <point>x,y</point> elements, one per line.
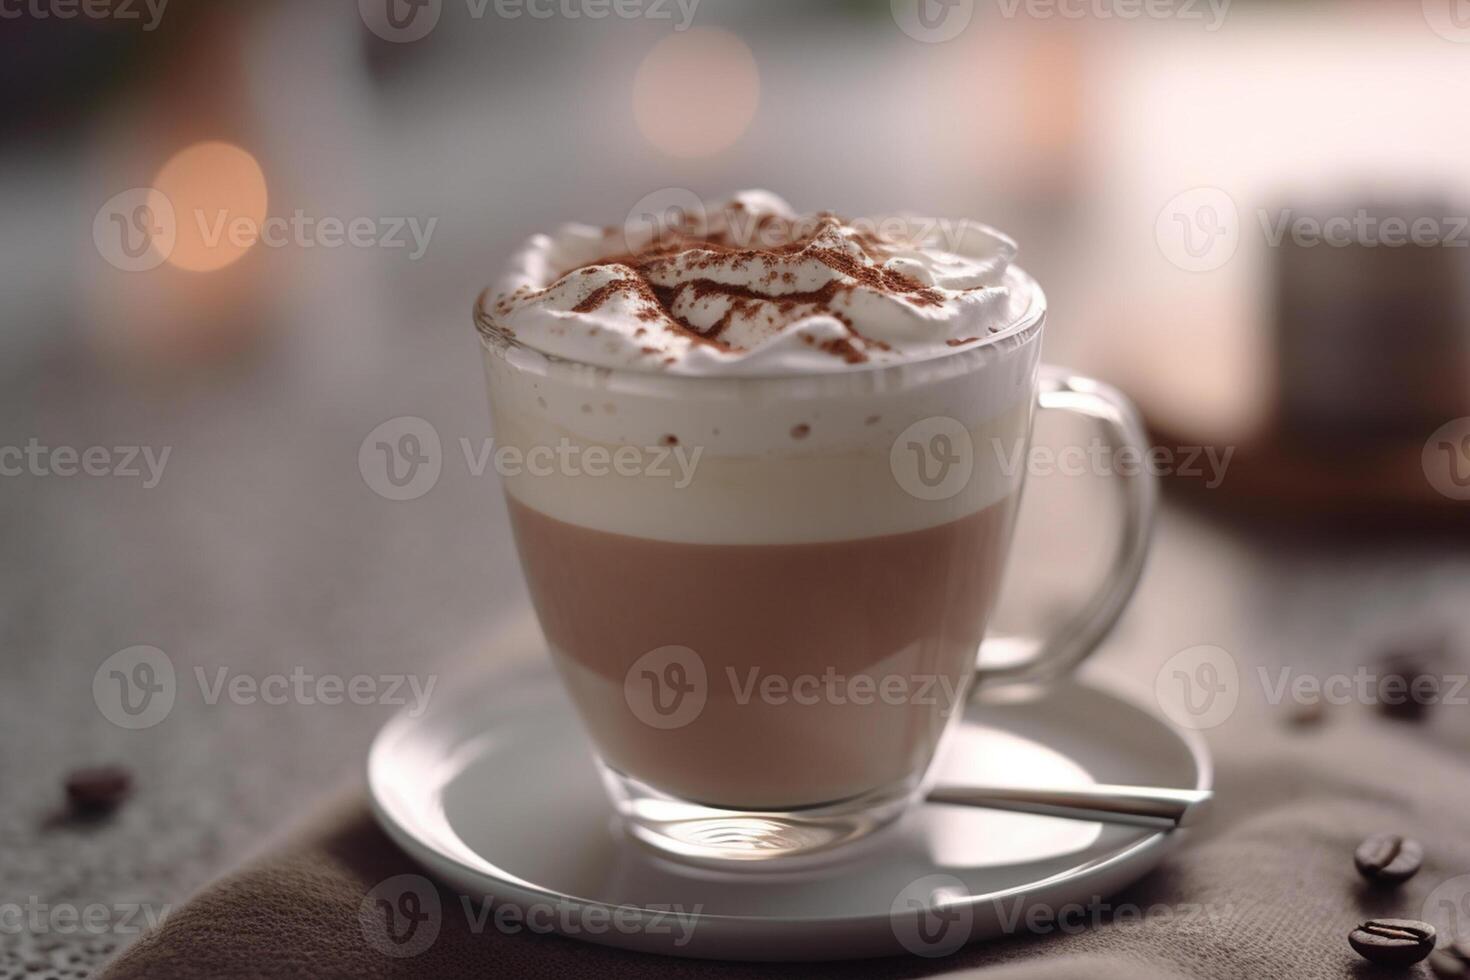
<point>679,252</point>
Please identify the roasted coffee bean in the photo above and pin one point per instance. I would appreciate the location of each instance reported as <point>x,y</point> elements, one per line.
<point>1452,962</point>
<point>98,791</point>
<point>1393,942</point>
<point>1389,858</point>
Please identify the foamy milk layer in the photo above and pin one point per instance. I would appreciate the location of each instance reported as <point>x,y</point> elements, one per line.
<point>763,461</point>
<point>866,448</point>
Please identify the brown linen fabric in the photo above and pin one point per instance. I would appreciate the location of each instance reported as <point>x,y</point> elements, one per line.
<point>1265,889</point>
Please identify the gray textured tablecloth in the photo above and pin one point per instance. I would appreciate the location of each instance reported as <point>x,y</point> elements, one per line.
<point>1266,888</point>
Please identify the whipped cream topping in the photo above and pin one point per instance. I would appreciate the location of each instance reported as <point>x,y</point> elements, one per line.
<point>751,287</point>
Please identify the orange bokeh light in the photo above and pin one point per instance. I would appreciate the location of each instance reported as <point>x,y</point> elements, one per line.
<point>219,199</point>
<point>696,93</point>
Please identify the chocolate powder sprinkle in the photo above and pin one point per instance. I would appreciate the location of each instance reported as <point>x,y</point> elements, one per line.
<point>686,253</point>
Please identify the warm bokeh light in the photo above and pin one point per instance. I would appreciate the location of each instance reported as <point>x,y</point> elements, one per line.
<point>696,93</point>
<point>219,198</point>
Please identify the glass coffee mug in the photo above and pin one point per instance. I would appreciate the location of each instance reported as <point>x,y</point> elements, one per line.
<point>765,595</point>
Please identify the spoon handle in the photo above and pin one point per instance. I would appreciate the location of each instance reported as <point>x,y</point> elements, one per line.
<point>1140,806</point>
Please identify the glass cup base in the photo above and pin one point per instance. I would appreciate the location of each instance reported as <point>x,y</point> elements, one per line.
<point>733,839</point>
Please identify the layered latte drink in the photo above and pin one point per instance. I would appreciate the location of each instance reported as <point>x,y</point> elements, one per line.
<point>767,476</point>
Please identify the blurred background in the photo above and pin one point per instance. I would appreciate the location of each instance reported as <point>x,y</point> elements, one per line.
<point>1172,171</point>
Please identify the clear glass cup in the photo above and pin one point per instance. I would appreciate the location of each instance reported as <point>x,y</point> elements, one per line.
<point>765,595</point>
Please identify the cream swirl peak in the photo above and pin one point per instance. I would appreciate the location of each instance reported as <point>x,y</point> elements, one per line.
<point>751,287</point>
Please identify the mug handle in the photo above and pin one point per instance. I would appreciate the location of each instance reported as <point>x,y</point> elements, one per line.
<point>1038,660</point>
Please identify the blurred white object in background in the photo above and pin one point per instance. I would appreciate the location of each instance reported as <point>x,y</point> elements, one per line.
<point>1202,137</point>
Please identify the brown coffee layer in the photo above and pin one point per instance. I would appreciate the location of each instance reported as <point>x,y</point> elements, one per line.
<point>908,610</point>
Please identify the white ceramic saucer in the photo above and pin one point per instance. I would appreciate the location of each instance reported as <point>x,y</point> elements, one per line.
<point>493,790</point>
